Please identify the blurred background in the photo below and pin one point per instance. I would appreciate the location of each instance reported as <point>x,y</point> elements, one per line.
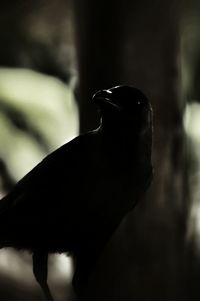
<point>54,55</point>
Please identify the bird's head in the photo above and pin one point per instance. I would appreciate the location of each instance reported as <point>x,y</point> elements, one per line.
<point>127,124</point>
<point>125,107</point>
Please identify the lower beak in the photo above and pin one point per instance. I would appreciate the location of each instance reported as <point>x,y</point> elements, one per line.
<point>105,101</point>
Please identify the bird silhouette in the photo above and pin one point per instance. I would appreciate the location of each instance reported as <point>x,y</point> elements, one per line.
<point>76,197</point>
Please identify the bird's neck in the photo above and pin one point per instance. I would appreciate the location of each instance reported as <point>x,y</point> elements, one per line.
<point>117,142</point>
<point>110,130</point>
<point>109,135</point>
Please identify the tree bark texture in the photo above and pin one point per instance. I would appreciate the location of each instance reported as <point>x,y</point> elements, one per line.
<point>138,43</point>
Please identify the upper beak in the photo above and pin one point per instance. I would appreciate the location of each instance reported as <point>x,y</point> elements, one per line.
<point>104,97</point>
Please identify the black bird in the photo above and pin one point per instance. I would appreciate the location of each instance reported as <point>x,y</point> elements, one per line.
<point>76,197</point>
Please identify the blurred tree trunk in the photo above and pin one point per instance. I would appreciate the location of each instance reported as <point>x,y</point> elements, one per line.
<point>137,43</point>
<point>99,37</point>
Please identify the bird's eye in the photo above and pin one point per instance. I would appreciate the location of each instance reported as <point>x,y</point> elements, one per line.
<point>138,102</point>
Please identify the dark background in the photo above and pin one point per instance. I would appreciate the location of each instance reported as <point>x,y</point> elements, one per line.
<point>74,49</point>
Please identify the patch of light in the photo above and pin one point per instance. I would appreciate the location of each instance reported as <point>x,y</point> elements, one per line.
<point>194,216</point>
<point>19,150</point>
<point>60,275</point>
<point>49,107</point>
<point>43,98</point>
<point>61,268</point>
<point>16,265</point>
<point>192,128</point>
<point>192,120</point>
<point>22,86</point>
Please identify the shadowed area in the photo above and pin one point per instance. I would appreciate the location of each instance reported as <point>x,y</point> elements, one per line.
<point>92,45</point>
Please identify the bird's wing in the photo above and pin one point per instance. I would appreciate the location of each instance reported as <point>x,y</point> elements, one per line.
<point>59,174</point>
